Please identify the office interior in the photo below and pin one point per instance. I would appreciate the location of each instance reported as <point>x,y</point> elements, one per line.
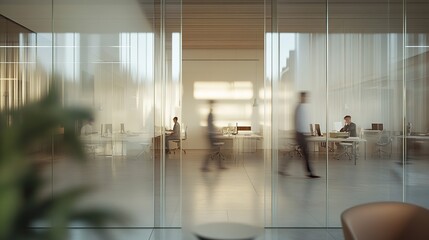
<point>138,64</point>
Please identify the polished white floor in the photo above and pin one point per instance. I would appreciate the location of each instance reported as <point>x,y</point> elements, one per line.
<point>178,234</point>
<point>245,192</point>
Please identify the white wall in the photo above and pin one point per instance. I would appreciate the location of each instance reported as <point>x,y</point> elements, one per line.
<point>218,66</point>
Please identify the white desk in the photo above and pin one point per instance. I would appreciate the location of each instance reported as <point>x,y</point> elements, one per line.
<point>239,142</point>
<point>117,142</point>
<point>104,141</point>
<point>354,140</point>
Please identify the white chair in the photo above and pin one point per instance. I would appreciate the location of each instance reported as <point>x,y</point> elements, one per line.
<point>145,148</point>
<point>177,141</point>
<point>217,154</point>
<point>347,150</point>
<point>382,143</point>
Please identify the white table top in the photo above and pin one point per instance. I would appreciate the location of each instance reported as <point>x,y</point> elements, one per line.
<point>227,230</point>
<point>329,139</point>
<point>418,137</point>
<point>249,135</point>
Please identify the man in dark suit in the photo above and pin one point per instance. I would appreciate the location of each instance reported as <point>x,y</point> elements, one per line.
<point>174,135</point>
<point>349,126</point>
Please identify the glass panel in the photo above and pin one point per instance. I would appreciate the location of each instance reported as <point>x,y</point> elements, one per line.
<point>295,65</point>
<point>25,73</point>
<point>365,83</point>
<point>104,60</point>
<point>172,108</point>
<point>18,75</point>
<point>223,174</point>
<point>417,115</point>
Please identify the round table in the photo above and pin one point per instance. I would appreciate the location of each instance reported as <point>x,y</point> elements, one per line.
<point>226,231</point>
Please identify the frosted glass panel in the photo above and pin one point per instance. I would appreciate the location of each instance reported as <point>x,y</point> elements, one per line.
<point>296,64</point>
<point>416,126</point>
<point>105,61</point>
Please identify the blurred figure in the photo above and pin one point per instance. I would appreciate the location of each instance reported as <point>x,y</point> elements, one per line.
<point>301,126</point>
<point>175,135</point>
<point>212,136</point>
<point>349,126</point>
<point>87,128</point>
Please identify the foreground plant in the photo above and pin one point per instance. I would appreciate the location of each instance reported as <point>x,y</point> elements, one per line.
<point>24,204</point>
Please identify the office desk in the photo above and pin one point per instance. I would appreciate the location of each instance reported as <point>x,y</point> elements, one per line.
<point>355,141</point>
<point>107,142</point>
<point>412,142</point>
<point>117,142</point>
<point>241,143</point>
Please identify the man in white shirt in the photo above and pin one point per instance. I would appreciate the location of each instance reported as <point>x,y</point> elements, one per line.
<point>301,127</point>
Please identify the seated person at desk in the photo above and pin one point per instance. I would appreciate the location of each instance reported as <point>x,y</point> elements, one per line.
<point>349,126</point>
<point>87,128</point>
<point>175,135</point>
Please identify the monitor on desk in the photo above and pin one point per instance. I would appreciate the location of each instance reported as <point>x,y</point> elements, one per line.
<point>317,126</point>
<point>108,129</point>
<point>311,130</point>
<point>377,126</point>
<point>337,126</point>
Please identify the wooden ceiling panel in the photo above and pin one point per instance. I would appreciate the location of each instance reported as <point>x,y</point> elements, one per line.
<point>225,24</point>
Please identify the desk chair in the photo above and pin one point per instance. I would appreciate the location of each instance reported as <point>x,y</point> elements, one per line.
<point>177,141</point>
<point>145,148</point>
<point>385,221</point>
<point>382,143</point>
<point>90,146</point>
<point>291,150</point>
<point>217,154</point>
<point>90,149</point>
<point>347,150</point>
<point>294,149</point>
<point>326,146</point>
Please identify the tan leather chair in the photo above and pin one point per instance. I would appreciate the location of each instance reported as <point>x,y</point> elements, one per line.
<point>386,221</point>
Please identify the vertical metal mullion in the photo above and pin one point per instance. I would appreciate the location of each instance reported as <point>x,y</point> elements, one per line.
<point>327,110</point>
<point>163,108</point>
<point>274,146</point>
<point>404,97</point>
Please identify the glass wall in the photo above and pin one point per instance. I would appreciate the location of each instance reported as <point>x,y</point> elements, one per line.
<point>362,60</point>
<point>123,60</point>
<point>295,63</point>
<point>19,80</point>
<point>104,59</point>
<point>118,59</point>
<point>365,82</point>
<point>415,125</point>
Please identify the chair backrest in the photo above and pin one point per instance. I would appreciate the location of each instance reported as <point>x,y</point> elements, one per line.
<point>185,133</point>
<point>384,138</point>
<point>385,221</point>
